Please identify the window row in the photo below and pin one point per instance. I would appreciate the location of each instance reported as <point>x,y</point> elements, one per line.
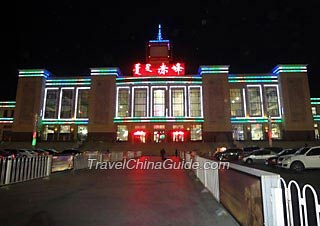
<point>66,103</point>
<point>175,102</point>
<point>255,101</point>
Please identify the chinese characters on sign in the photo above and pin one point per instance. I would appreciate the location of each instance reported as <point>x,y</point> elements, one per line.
<point>158,69</point>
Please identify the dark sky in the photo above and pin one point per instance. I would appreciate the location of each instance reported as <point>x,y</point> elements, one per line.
<point>69,37</point>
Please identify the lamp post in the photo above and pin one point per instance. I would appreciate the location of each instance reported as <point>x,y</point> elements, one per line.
<point>270,130</point>
<point>34,134</point>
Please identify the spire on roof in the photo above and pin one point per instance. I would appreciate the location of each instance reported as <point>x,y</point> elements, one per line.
<point>159,33</point>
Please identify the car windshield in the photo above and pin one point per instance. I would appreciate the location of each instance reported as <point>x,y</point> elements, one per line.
<point>287,152</point>
<point>302,151</point>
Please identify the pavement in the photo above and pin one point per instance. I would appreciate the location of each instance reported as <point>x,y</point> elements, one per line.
<point>108,197</point>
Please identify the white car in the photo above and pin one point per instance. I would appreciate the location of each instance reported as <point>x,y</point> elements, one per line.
<point>307,158</point>
<point>259,155</point>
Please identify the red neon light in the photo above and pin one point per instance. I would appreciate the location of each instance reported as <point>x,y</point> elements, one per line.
<point>158,69</point>
<point>139,133</point>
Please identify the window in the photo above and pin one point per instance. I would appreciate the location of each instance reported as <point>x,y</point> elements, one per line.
<point>83,103</point>
<point>236,103</point>
<point>195,102</point>
<point>237,132</point>
<point>254,97</point>
<point>65,129</point>
<point>140,102</point>
<point>177,102</point>
<point>314,110</point>
<point>123,102</point>
<point>272,101</point>
<point>256,132</point>
<point>159,102</point>
<point>276,132</point>
<point>66,103</point>
<point>82,132</point>
<point>122,133</point>
<point>315,151</point>
<point>196,132</point>
<point>51,103</point>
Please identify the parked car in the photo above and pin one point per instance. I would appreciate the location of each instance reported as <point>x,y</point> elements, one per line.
<point>70,152</point>
<point>247,150</point>
<point>258,156</point>
<point>301,150</point>
<point>6,155</point>
<point>230,154</point>
<point>275,149</point>
<point>28,152</point>
<point>307,158</point>
<point>51,151</point>
<point>41,152</point>
<point>273,161</point>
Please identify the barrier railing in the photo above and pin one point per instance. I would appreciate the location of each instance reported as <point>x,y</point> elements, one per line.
<point>304,208</point>
<point>24,169</point>
<point>252,196</point>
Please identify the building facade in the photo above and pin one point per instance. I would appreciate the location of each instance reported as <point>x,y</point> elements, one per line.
<point>158,102</point>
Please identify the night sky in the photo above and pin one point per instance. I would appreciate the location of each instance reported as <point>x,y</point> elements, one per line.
<point>69,37</point>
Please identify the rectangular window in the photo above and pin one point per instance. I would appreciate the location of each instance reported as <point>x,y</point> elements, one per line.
<point>271,94</point>
<point>314,110</point>
<point>256,132</point>
<point>51,103</point>
<point>66,104</point>
<point>140,103</point>
<point>122,133</point>
<point>158,102</point>
<point>255,105</point>
<point>123,102</point>
<point>177,100</point>
<point>83,103</point>
<point>237,132</point>
<point>196,132</point>
<point>275,131</point>
<point>195,102</point>
<point>236,103</point>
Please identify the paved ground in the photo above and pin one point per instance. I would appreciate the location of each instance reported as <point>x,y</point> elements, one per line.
<point>112,197</point>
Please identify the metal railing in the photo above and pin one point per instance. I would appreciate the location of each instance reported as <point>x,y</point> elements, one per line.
<point>306,209</point>
<point>24,169</point>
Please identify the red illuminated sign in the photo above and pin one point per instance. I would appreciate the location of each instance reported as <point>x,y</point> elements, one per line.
<point>158,69</point>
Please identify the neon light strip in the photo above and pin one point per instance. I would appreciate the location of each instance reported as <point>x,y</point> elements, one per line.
<point>160,41</point>
<point>33,73</point>
<point>251,81</point>
<point>64,122</point>
<point>7,102</point>
<point>6,119</point>
<point>252,77</point>
<point>114,69</point>
<point>312,98</point>
<point>159,77</point>
<point>213,72</point>
<point>255,121</point>
<point>156,119</point>
<point>7,106</point>
<point>117,98</point>
<point>69,80</point>
<point>45,100</point>
<point>5,122</point>
<point>159,82</point>
<point>314,103</point>
<point>289,68</point>
<point>244,101</point>
<point>69,84</point>
<point>289,71</point>
<point>104,73</point>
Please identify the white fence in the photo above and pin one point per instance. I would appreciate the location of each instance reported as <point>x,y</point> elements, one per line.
<point>270,187</point>
<point>23,169</point>
<point>302,206</point>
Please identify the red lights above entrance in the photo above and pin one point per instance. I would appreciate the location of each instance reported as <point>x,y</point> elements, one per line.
<point>163,69</point>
